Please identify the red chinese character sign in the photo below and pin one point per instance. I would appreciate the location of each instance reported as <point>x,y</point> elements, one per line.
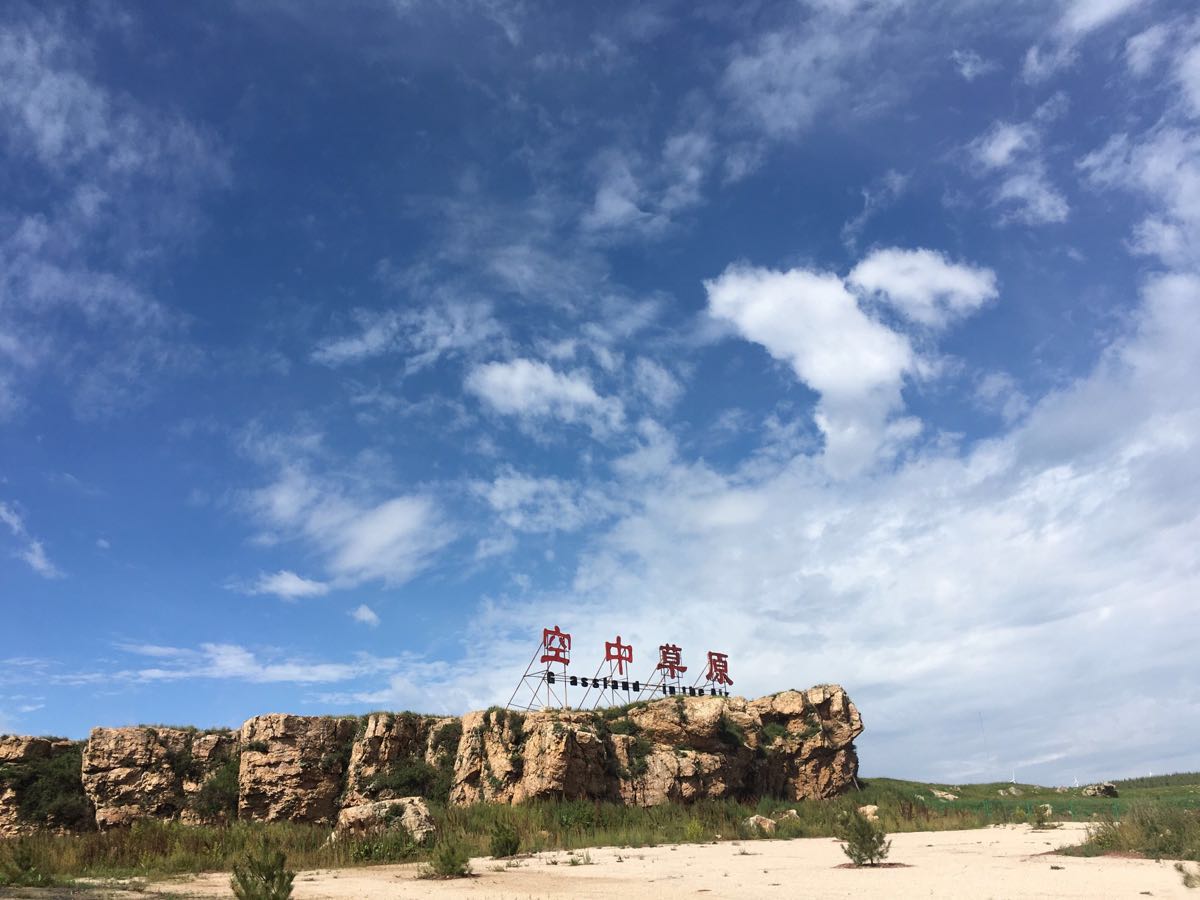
<point>542,687</point>
<point>670,658</point>
<point>545,682</point>
<point>556,646</point>
<point>621,654</point>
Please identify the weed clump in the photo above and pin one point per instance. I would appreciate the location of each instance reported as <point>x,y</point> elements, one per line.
<point>505,840</point>
<point>866,842</point>
<point>449,859</point>
<point>262,875</point>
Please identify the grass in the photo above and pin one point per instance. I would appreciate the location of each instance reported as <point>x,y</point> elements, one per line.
<point>1155,820</point>
<point>1152,830</point>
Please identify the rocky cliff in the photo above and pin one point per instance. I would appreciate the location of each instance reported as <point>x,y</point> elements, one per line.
<point>795,744</point>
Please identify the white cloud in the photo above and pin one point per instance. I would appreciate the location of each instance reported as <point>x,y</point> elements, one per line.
<point>360,536</point>
<point>971,65</point>
<point>364,615</point>
<point>656,384</point>
<point>1079,18</point>
<point>875,198</point>
<point>233,662</point>
<point>1164,166</point>
<point>1012,151</point>
<point>923,285</point>
<point>1000,146</point>
<point>531,390</point>
<point>422,336</point>
<point>30,549</point>
<point>1143,50</point>
<point>783,80</point>
<point>812,322</point>
<point>114,184</point>
<point>287,586</point>
<point>528,503</point>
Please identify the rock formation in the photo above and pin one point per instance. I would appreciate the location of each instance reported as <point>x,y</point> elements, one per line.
<point>145,772</point>
<point>40,786</point>
<point>360,772</point>
<point>795,744</point>
<point>294,767</point>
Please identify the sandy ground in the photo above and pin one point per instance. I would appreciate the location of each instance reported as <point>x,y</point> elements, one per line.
<point>1000,862</point>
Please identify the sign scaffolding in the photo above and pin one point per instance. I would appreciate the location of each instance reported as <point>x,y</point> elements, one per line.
<point>667,676</point>
<point>544,684</point>
<point>610,685</point>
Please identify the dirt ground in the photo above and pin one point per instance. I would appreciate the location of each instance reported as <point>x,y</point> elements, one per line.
<point>1000,862</point>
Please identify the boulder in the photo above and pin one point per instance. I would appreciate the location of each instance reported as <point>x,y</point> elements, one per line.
<point>943,795</point>
<point>408,813</point>
<point>1105,789</point>
<point>145,772</point>
<point>787,814</point>
<point>293,767</point>
<point>870,812</point>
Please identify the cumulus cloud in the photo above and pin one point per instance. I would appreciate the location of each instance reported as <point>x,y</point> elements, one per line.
<point>287,586</point>
<point>531,390</point>
<point>923,285</point>
<point>364,615</point>
<point>811,321</point>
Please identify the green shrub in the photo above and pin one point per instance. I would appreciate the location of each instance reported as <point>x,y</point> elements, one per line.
<point>218,796</point>
<point>866,842</point>
<point>730,732</point>
<point>450,859</point>
<point>505,840</point>
<point>773,731</point>
<point>262,875</point>
<point>50,791</point>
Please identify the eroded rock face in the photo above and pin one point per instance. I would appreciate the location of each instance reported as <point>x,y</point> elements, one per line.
<point>392,741</point>
<point>143,772</point>
<point>293,768</point>
<point>681,749</point>
<point>408,813</point>
<point>16,752</point>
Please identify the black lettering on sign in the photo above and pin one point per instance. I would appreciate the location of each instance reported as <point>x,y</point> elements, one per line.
<point>549,677</point>
<point>574,681</point>
<point>624,685</point>
<point>637,687</point>
<point>672,690</point>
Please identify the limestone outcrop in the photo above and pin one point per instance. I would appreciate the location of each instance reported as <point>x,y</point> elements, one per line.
<point>293,768</point>
<point>679,749</point>
<point>162,773</point>
<point>396,754</point>
<point>363,773</point>
<point>39,786</point>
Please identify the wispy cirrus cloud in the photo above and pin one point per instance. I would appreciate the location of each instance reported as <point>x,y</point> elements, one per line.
<point>30,550</point>
<point>102,174</point>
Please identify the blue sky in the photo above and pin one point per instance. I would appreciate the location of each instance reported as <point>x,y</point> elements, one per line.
<point>344,347</point>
